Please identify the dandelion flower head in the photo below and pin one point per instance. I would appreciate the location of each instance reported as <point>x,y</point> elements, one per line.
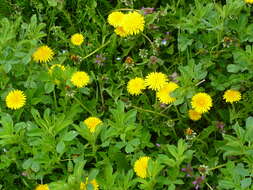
<point>42,187</point>
<point>141,166</point>
<point>194,115</point>
<point>164,93</point>
<point>136,86</point>
<point>43,54</point>
<point>77,39</point>
<point>249,1</point>
<point>156,80</point>
<point>92,123</point>
<point>115,18</point>
<point>120,31</point>
<point>201,102</point>
<point>133,23</point>
<point>80,79</point>
<point>15,99</point>
<point>231,96</point>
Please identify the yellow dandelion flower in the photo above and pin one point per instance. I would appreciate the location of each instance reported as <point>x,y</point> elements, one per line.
<point>249,1</point>
<point>15,99</point>
<point>51,69</point>
<point>92,182</point>
<point>194,115</point>
<point>42,187</point>
<point>80,79</point>
<point>115,18</point>
<point>92,123</point>
<point>120,31</point>
<point>77,39</point>
<point>164,93</point>
<point>201,102</point>
<point>133,23</point>
<point>141,166</point>
<point>232,96</point>
<point>43,54</point>
<point>156,80</point>
<point>136,86</point>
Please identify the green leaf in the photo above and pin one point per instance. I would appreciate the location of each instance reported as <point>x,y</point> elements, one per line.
<point>232,68</point>
<point>69,136</point>
<point>7,67</point>
<point>184,42</point>
<point>27,164</point>
<point>246,182</point>
<point>129,148</point>
<point>249,129</point>
<point>49,87</point>
<point>60,147</point>
<point>35,166</point>
<point>52,3</point>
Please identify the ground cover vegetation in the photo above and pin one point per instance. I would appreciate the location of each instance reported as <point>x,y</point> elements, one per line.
<point>126,94</point>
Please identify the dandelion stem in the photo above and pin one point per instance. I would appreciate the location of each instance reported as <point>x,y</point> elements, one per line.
<point>82,105</point>
<point>55,101</point>
<point>102,46</point>
<point>216,167</point>
<point>209,186</point>
<point>152,44</point>
<point>150,111</point>
<point>125,9</point>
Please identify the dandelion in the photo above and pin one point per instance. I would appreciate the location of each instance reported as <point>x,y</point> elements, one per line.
<point>115,18</point>
<point>51,69</point>
<point>164,93</point>
<point>156,80</point>
<point>77,39</point>
<point>141,166</point>
<point>92,123</point>
<point>133,23</point>
<point>120,31</point>
<point>15,99</point>
<point>201,102</point>
<point>43,54</point>
<point>249,1</point>
<point>80,79</point>
<point>232,96</point>
<point>42,187</point>
<point>136,86</point>
<point>194,115</point>
<point>92,182</point>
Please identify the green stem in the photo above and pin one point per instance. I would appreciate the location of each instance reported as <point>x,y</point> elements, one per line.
<point>55,101</point>
<point>83,106</point>
<point>93,52</point>
<point>209,186</point>
<point>217,167</point>
<point>125,9</point>
<point>150,111</point>
<point>152,44</point>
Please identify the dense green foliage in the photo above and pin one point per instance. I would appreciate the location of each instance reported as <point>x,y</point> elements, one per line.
<point>203,45</point>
